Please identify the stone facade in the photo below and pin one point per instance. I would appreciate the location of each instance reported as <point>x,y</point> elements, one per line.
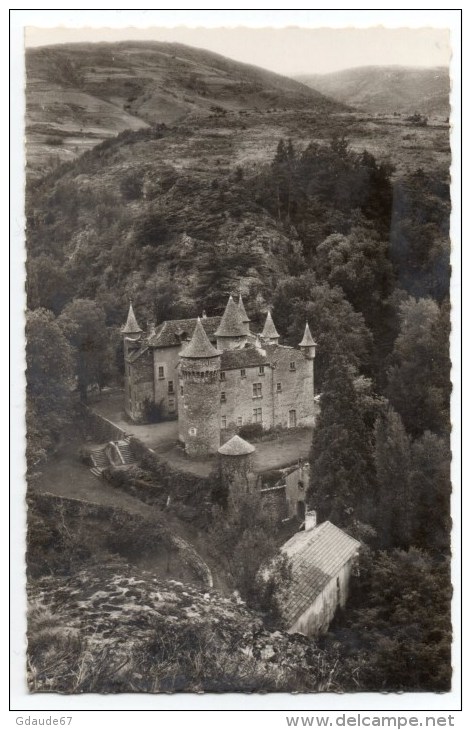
<point>257,381</point>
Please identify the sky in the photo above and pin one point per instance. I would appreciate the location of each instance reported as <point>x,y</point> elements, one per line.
<point>289,51</point>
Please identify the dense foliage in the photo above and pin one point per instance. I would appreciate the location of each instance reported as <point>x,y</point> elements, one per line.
<point>323,234</point>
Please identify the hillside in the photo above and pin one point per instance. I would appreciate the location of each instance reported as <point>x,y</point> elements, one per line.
<point>387,89</point>
<point>116,629</point>
<point>80,94</point>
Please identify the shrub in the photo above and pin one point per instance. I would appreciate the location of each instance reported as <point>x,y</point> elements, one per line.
<point>251,431</point>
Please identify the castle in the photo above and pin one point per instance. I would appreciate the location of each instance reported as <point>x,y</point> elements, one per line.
<point>215,374</point>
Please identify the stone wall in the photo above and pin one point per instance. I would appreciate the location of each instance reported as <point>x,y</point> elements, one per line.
<point>166,358</point>
<point>199,396</point>
<point>139,384</point>
<point>238,401</point>
<point>100,429</point>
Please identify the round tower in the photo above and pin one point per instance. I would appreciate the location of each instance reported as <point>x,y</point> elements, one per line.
<point>199,406</point>
<point>232,331</point>
<point>235,466</point>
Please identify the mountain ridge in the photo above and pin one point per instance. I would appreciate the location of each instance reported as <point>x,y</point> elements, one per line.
<point>387,89</point>
<point>80,94</point>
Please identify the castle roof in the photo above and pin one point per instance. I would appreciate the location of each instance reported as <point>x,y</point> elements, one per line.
<point>131,326</point>
<point>269,329</point>
<point>243,313</point>
<point>246,357</point>
<point>231,322</point>
<point>307,340</point>
<point>316,557</point>
<point>199,345</point>
<point>172,333</point>
<point>236,447</point>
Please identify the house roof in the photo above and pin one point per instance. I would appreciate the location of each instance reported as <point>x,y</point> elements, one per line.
<point>236,447</point>
<point>199,346</point>
<point>269,329</point>
<point>316,556</point>
<point>172,332</point>
<point>131,326</point>
<point>243,313</point>
<point>231,323</point>
<point>307,340</point>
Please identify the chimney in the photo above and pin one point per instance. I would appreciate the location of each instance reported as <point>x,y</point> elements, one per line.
<point>310,520</point>
<point>204,315</point>
<point>150,328</point>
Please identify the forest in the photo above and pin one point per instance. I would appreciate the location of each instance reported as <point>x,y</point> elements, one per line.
<point>321,233</point>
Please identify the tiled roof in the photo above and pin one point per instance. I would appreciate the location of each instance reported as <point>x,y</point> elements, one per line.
<point>316,556</point>
<point>243,313</point>
<point>231,322</point>
<point>246,357</point>
<point>282,354</point>
<point>236,447</point>
<point>172,332</point>
<point>199,346</point>
<point>307,340</point>
<point>131,326</point>
<point>269,329</point>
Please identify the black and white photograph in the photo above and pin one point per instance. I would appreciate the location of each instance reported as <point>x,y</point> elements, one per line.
<point>238,371</point>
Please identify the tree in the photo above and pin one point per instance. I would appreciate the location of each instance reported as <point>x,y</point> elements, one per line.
<point>334,324</point>
<point>49,373</point>
<point>83,323</point>
<point>243,536</point>
<point>342,476</point>
<point>397,632</point>
<point>358,263</point>
<point>48,285</point>
<point>418,375</point>
<point>430,491</point>
<point>392,462</point>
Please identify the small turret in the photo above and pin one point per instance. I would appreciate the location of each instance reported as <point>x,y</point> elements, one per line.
<point>131,328</point>
<point>232,331</point>
<point>131,332</point>
<point>307,344</point>
<point>269,334</point>
<point>244,316</point>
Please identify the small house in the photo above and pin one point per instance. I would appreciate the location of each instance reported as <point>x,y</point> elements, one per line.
<point>322,558</point>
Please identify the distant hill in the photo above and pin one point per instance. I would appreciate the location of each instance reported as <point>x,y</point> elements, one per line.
<point>387,89</point>
<point>80,94</point>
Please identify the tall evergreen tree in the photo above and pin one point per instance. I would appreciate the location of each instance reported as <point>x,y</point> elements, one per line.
<point>341,468</point>
<point>392,461</point>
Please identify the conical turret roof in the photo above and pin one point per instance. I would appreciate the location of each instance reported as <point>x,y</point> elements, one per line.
<point>231,322</point>
<point>236,447</point>
<point>269,329</point>
<point>131,327</point>
<point>307,340</point>
<point>199,346</point>
<point>243,313</point>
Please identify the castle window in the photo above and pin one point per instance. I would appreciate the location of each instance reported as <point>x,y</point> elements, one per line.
<point>222,375</point>
<point>261,370</point>
<point>161,372</point>
<point>257,390</point>
<point>181,389</point>
<point>257,415</point>
<point>170,387</point>
<point>223,422</point>
<point>242,373</point>
<point>239,420</point>
<point>278,387</point>
<point>292,366</point>
<point>171,405</point>
<point>223,397</point>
